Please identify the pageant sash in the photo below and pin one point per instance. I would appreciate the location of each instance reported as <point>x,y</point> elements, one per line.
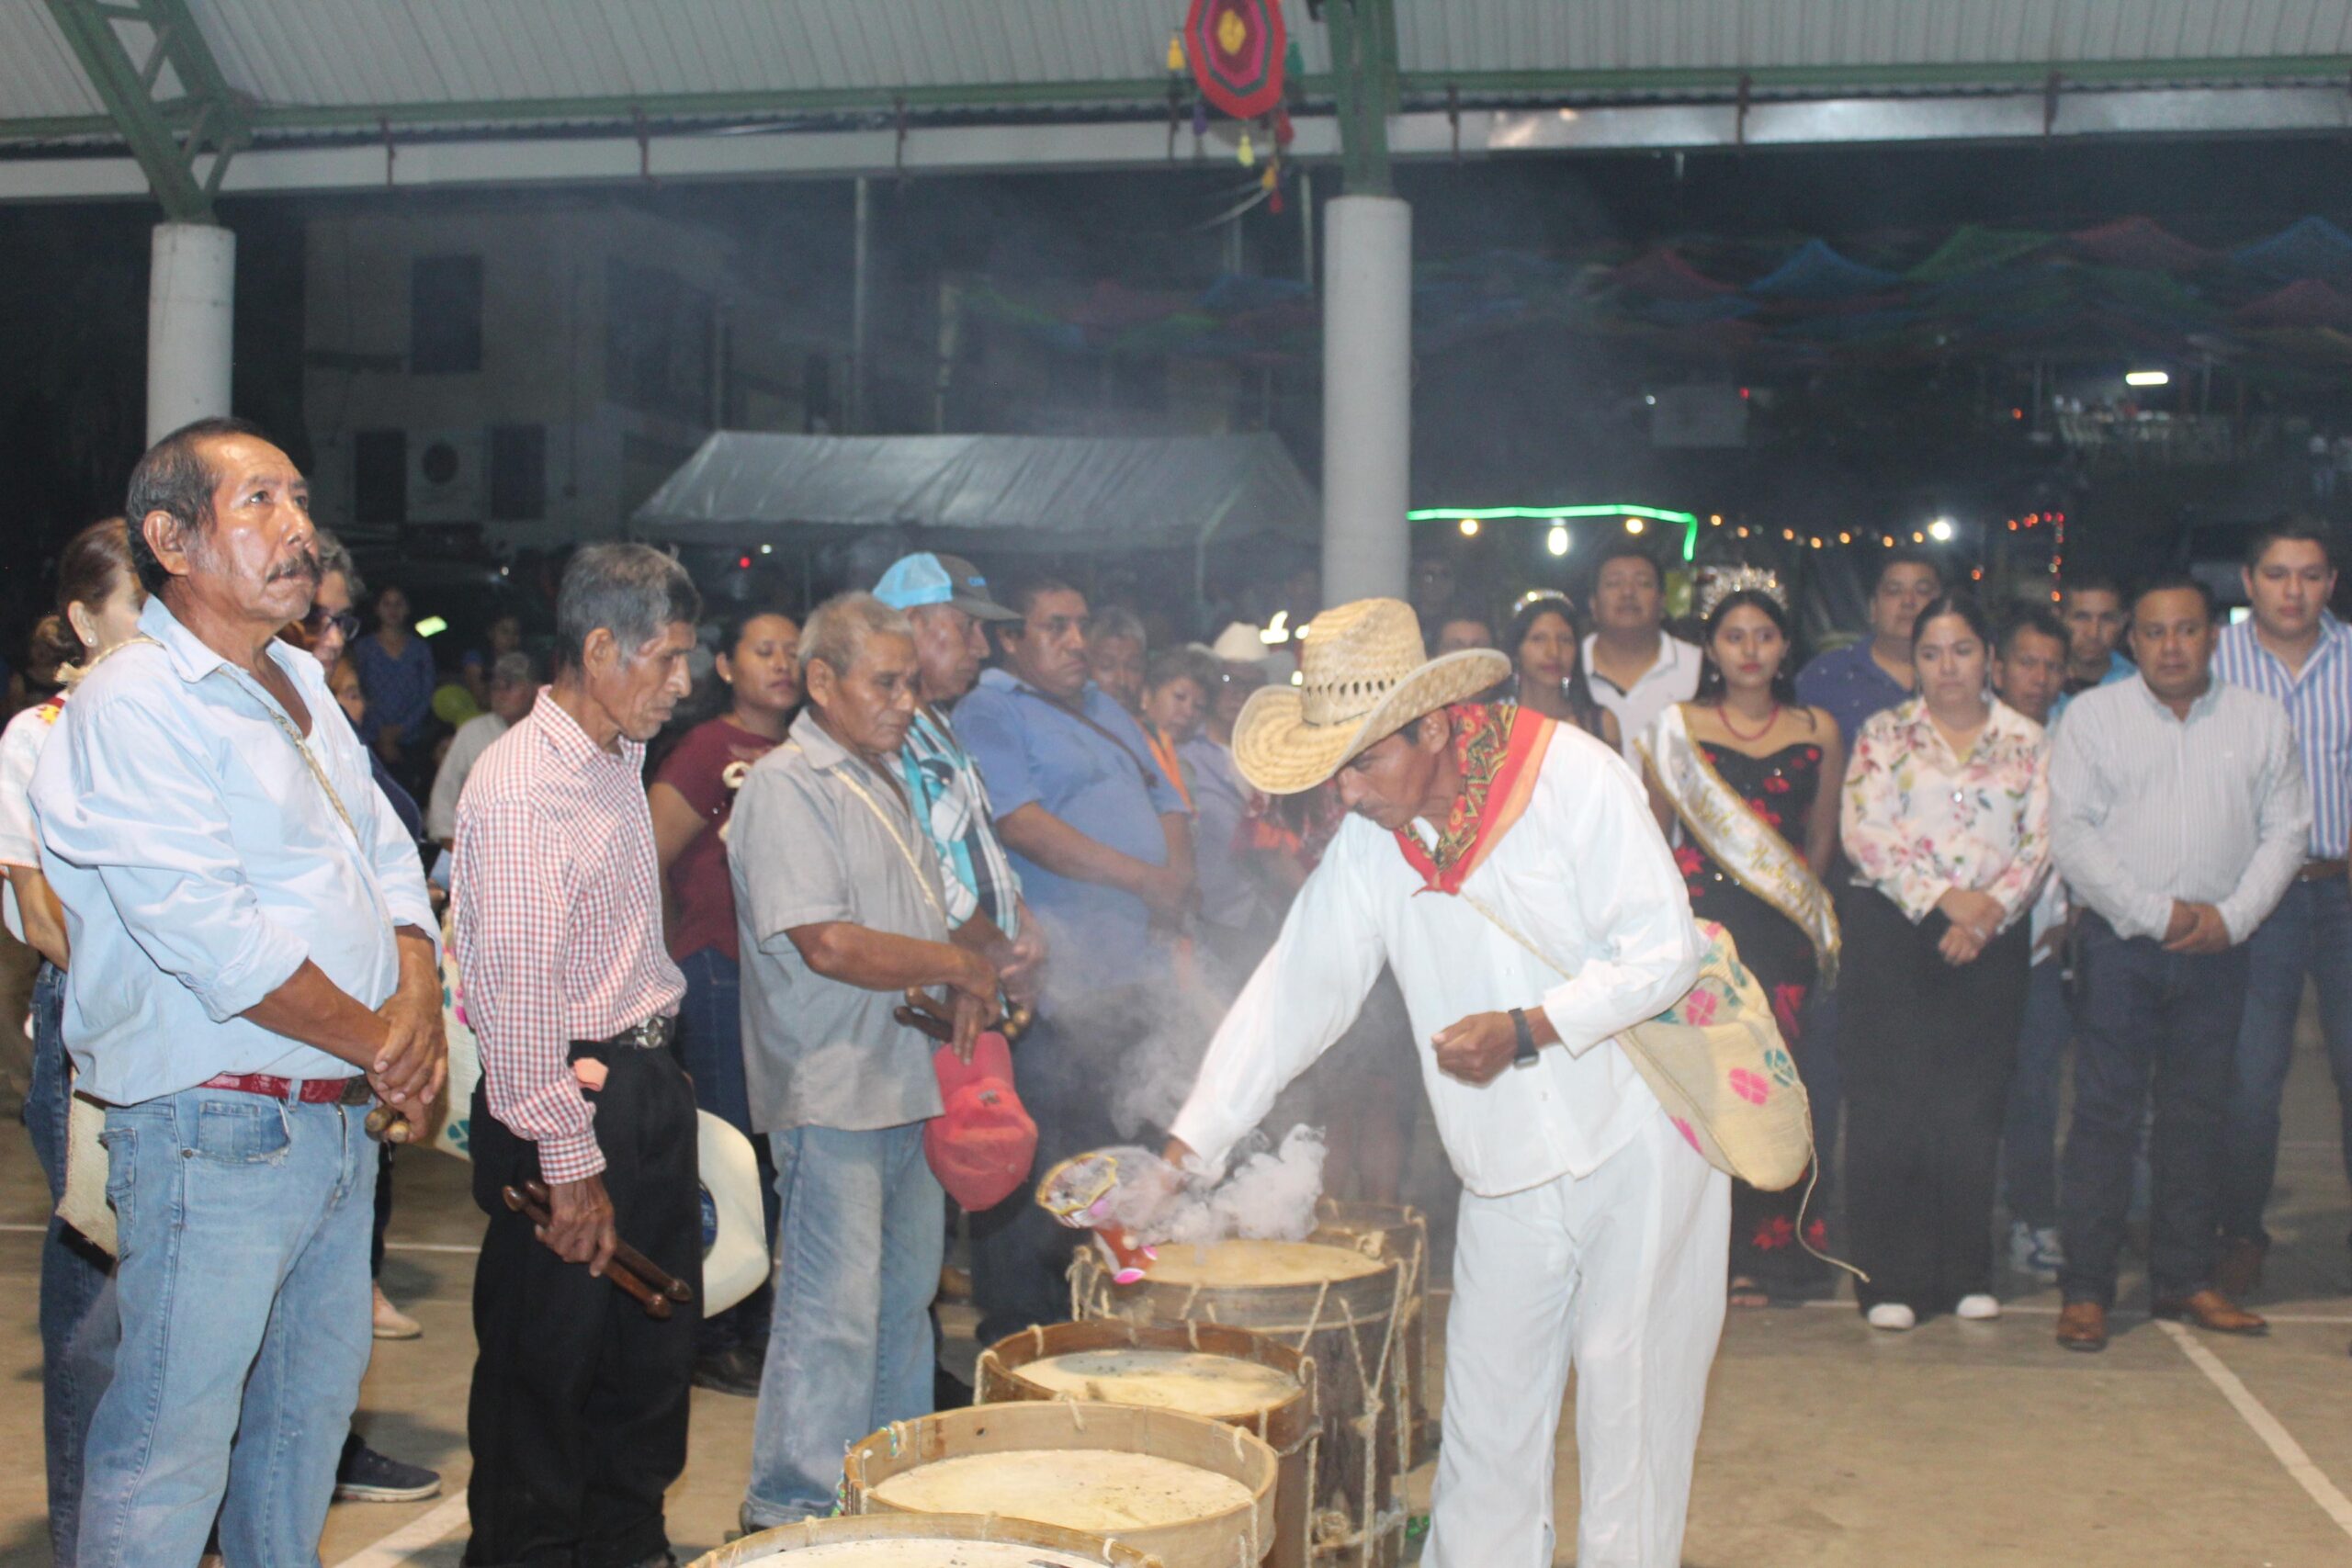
<point>1749,849</point>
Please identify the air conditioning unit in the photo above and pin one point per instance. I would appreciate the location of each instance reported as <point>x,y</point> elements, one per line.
<point>449,477</point>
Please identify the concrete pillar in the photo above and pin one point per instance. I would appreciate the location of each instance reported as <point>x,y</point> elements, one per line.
<point>1367,396</point>
<point>191,305</point>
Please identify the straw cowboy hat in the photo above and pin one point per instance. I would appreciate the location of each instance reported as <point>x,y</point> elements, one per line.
<point>1363,676</point>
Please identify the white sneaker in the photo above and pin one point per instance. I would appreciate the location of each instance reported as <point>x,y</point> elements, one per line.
<point>1893,1316</point>
<point>1979,1308</point>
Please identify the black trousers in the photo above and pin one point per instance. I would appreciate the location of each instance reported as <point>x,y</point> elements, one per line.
<point>2148,1018</point>
<point>578,1417</point>
<point>1928,1049</point>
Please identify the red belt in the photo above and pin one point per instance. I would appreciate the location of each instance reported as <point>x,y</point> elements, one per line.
<point>314,1092</point>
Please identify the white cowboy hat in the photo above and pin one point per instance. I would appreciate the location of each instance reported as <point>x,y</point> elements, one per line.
<point>1364,677</point>
<point>734,1230</point>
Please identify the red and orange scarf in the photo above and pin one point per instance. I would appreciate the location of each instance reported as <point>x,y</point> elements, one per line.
<point>1499,749</point>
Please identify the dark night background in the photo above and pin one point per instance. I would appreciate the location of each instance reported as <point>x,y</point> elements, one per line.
<point>1517,416</point>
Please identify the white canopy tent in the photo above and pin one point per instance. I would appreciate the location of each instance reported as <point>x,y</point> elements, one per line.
<point>970,494</point>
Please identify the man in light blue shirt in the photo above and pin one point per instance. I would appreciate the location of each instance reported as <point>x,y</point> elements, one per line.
<point>1104,849</point>
<point>253,963</point>
<point>2294,652</point>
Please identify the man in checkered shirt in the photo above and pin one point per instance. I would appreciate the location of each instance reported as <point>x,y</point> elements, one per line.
<point>578,1418</point>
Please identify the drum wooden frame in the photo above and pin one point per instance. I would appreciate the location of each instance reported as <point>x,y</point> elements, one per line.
<point>1292,1427</point>
<point>1398,1231</point>
<point>1348,1328</point>
<point>765,1545</point>
<point>1237,1538</point>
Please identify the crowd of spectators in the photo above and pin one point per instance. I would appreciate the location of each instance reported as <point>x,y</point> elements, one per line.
<point>1951,849</point>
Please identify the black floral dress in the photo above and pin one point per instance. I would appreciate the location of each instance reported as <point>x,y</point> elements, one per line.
<point>1781,790</point>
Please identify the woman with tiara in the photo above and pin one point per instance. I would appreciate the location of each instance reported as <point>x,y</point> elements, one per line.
<point>1745,778</point>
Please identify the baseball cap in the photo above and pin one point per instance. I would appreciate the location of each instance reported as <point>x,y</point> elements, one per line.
<point>928,579</point>
<point>983,1143</point>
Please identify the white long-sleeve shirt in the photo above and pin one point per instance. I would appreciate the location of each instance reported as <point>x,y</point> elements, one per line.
<point>2148,807</point>
<point>1583,874</point>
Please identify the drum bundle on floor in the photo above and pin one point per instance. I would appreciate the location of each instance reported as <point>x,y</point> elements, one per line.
<point>1248,1405</point>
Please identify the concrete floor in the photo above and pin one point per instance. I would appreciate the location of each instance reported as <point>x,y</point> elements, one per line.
<point>1826,1445</point>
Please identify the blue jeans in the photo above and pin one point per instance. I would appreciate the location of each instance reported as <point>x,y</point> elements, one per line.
<point>2309,934</point>
<point>78,1328</point>
<point>850,1349</point>
<point>2148,1015</point>
<point>243,1287</point>
<point>2029,1132</point>
<point>709,1045</point>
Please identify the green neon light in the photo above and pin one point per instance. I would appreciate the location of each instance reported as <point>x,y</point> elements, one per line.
<point>1689,520</point>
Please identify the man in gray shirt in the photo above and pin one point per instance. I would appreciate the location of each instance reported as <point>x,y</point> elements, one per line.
<point>839,906</point>
<point>2178,814</point>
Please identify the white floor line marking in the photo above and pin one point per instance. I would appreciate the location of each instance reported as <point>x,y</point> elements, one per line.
<point>425,1529</point>
<point>2281,1442</point>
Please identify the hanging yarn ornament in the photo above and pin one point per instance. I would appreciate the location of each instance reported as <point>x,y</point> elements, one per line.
<point>1273,176</point>
<point>1284,132</point>
<point>1200,117</point>
<point>1247,153</point>
<point>1273,184</point>
<point>1175,53</point>
<point>1237,48</point>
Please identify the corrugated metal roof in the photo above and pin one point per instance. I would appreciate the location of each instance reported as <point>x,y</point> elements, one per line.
<point>1644,35</point>
<point>354,55</point>
<point>38,75</point>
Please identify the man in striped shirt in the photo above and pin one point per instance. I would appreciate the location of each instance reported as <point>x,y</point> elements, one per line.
<point>2294,651</point>
<point>578,1417</point>
<point>2178,813</point>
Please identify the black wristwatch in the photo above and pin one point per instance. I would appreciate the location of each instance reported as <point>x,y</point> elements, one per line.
<point>1526,1054</point>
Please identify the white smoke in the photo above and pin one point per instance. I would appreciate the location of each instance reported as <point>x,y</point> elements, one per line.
<point>1271,1196</point>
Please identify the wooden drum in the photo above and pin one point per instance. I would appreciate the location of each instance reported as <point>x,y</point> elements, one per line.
<point>1333,1304</point>
<point>936,1541</point>
<point>1398,1231</point>
<point>1229,1376</point>
<point>1189,1492</point>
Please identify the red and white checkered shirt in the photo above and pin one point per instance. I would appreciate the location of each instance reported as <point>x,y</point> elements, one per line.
<point>559,922</point>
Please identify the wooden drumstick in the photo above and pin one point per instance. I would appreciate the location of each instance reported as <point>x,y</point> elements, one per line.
<point>627,1256</point>
<point>656,1304</point>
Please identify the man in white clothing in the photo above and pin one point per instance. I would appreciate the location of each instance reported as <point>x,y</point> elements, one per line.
<point>1490,851</point>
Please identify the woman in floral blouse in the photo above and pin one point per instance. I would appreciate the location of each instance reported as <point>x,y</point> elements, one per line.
<point>1946,819</point>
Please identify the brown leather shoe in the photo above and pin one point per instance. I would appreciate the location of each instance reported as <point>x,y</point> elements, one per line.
<point>2211,1311</point>
<point>2081,1325</point>
<point>2237,1274</point>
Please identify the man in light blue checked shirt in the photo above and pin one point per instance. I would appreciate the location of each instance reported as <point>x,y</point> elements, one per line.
<point>254,963</point>
<point>2294,651</point>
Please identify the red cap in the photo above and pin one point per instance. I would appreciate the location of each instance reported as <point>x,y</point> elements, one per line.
<point>983,1143</point>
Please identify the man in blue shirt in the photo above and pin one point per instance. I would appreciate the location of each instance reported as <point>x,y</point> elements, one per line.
<point>2294,651</point>
<point>1102,846</point>
<point>1856,682</point>
<point>254,962</point>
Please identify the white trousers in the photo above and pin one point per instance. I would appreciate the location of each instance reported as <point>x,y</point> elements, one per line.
<point>1620,1275</point>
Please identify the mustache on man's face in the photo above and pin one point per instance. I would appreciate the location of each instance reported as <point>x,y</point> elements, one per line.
<point>302,563</point>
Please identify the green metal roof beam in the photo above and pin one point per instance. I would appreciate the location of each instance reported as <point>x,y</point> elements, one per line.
<point>1363,45</point>
<point>166,139</point>
<point>1415,88</point>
